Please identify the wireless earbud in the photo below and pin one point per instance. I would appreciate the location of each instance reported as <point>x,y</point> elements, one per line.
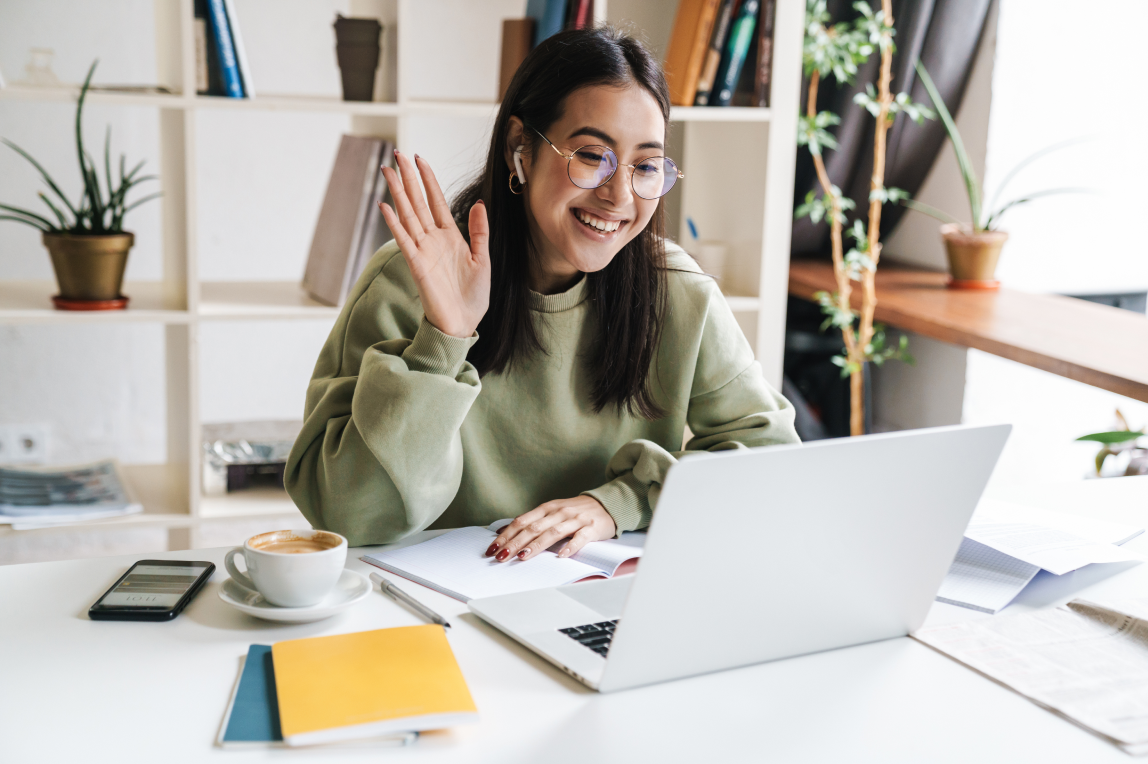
<point>518,164</point>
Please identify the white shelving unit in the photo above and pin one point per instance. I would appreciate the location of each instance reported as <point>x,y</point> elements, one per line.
<point>738,162</point>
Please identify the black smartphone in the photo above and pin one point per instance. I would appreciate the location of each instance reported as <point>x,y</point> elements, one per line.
<point>152,590</point>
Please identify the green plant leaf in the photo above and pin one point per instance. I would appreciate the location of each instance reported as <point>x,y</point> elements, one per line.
<point>1032,158</point>
<point>55,210</point>
<point>995,216</point>
<point>932,212</point>
<point>1119,436</point>
<point>972,185</point>
<point>26,221</point>
<point>43,173</point>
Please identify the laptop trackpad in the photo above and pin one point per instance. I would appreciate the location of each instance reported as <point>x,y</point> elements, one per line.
<point>607,597</point>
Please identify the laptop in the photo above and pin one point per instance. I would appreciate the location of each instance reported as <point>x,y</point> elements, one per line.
<point>767,553</point>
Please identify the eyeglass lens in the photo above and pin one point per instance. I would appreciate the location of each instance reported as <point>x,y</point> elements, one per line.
<point>592,166</point>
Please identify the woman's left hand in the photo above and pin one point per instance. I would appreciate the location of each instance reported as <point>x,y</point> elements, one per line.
<point>581,519</point>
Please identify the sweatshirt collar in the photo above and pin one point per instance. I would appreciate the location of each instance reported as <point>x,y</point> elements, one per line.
<point>556,303</point>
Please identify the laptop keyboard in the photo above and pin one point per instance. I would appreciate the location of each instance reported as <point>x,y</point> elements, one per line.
<point>595,636</point>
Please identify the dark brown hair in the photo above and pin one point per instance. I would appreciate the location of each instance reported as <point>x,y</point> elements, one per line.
<point>627,296</point>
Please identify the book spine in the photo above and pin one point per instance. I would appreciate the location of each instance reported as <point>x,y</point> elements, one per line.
<point>583,14</point>
<point>764,55</point>
<point>240,50</point>
<point>713,54</point>
<point>740,38</point>
<point>201,56</point>
<point>687,51</point>
<point>517,37</point>
<point>228,64</point>
<point>548,15</point>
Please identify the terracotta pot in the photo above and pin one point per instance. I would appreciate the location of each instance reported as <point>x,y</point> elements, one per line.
<point>972,256</point>
<point>89,269</point>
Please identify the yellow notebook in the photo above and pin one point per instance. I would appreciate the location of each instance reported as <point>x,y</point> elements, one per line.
<point>367,684</point>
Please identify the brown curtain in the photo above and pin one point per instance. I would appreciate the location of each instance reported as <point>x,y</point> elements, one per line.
<point>945,35</point>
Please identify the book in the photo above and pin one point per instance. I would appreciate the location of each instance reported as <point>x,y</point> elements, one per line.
<point>517,39</point>
<point>240,50</point>
<point>252,716</point>
<point>713,52</point>
<point>375,231</point>
<point>228,64</point>
<point>580,14</point>
<point>548,15</point>
<point>207,55</point>
<point>764,68</point>
<point>46,497</point>
<point>455,563</point>
<point>367,684</point>
<point>693,25</point>
<point>345,225</point>
<point>736,50</point>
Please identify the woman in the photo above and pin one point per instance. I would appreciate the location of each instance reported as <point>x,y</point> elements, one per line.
<point>537,350</point>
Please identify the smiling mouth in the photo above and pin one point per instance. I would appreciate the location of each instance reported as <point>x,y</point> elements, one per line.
<point>597,224</point>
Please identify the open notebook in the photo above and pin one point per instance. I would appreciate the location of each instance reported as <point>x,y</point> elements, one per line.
<point>455,563</point>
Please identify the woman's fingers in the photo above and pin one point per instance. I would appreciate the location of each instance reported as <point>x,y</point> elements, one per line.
<point>410,175</point>
<point>407,216</point>
<point>548,538</point>
<point>439,209</point>
<point>479,233</point>
<point>408,246</point>
<point>523,531</point>
<point>581,538</point>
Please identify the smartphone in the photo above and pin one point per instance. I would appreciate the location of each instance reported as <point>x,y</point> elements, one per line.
<point>152,590</point>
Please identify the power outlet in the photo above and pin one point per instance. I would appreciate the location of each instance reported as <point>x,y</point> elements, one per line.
<point>24,443</point>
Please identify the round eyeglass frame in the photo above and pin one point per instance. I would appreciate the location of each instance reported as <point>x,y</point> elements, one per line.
<point>676,175</point>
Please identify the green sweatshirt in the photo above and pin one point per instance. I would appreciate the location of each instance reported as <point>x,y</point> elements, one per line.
<point>400,434</point>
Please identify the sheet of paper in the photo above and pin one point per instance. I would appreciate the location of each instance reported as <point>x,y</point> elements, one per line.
<point>456,565</point>
<point>1086,661</point>
<point>1053,550</point>
<point>1089,528</point>
<point>984,579</point>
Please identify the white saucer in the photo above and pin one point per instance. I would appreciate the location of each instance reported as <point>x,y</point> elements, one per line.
<point>350,588</point>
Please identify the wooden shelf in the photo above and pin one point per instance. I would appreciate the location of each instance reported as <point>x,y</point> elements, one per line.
<point>247,300</point>
<point>1095,344</point>
<point>29,302</point>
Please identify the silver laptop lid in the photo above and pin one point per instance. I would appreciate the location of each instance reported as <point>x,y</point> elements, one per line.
<point>767,553</point>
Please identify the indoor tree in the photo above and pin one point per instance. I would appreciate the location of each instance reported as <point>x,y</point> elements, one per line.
<point>835,51</point>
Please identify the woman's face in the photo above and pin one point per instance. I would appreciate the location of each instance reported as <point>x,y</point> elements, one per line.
<point>566,221</point>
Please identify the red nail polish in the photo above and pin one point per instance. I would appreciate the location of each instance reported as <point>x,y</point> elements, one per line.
<point>481,202</point>
<point>416,157</point>
<point>523,553</point>
<point>493,548</point>
<point>503,555</point>
<point>396,152</point>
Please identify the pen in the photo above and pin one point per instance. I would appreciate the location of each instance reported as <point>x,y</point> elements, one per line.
<point>398,595</point>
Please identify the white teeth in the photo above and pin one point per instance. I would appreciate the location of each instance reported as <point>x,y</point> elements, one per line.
<point>606,226</point>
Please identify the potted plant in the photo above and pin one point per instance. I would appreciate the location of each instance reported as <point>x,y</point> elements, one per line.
<point>86,241</point>
<point>974,248</point>
<point>1118,443</point>
<point>835,50</point>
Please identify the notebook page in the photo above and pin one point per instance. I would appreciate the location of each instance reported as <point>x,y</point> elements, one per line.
<point>456,564</point>
<point>1054,550</point>
<point>981,578</point>
<point>1101,531</point>
<point>604,555</point>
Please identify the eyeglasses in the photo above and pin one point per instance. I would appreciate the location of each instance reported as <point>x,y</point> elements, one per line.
<point>593,166</point>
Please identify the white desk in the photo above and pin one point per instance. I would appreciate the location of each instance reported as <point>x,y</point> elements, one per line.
<point>73,690</point>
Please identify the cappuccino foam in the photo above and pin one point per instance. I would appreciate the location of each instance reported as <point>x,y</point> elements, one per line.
<point>295,546</point>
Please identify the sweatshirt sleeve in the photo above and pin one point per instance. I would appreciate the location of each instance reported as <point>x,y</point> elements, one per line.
<point>730,406</point>
<point>380,454</point>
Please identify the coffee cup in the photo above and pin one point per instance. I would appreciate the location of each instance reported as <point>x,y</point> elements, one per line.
<point>293,568</point>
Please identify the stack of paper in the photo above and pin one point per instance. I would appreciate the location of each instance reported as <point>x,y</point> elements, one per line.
<point>1006,545</point>
<point>38,498</point>
<point>1086,661</point>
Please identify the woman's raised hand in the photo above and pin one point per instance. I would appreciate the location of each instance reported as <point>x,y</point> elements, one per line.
<point>453,277</point>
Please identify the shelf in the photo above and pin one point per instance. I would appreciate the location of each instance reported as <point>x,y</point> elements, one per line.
<point>71,93</point>
<point>29,302</point>
<point>1090,343</point>
<point>253,503</point>
<point>719,114</point>
<point>479,109</point>
<point>254,300</point>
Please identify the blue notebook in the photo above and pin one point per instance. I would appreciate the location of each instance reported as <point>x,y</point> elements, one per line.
<point>252,716</point>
